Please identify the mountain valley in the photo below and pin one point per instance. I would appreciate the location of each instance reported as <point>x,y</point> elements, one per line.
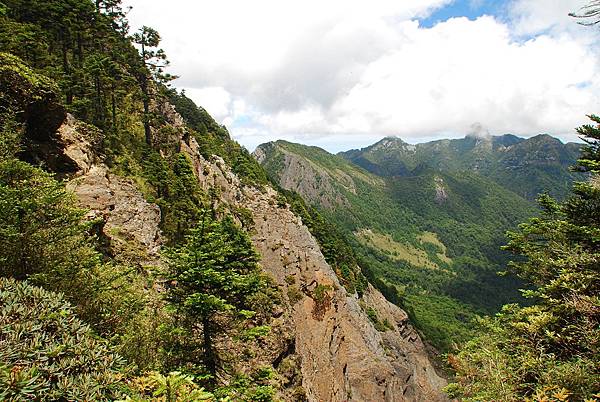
<point>428,220</point>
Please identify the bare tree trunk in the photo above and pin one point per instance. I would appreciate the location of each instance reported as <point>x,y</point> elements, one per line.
<point>210,360</point>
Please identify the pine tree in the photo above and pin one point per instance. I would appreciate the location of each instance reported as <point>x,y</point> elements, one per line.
<point>590,156</point>
<point>214,277</point>
<point>154,61</point>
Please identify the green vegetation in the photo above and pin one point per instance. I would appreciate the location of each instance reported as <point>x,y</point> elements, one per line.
<point>75,56</point>
<point>174,387</point>
<point>154,61</point>
<point>218,284</point>
<point>527,167</point>
<point>552,346</point>
<point>379,325</point>
<point>294,295</point>
<point>39,224</point>
<point>47,353</point>
<point>397,251</point>
<point>439,258</point>
<point>79,45</point>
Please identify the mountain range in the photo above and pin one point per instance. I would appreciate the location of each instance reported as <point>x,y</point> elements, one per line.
<point>428,220</point>
<point>527,167</point>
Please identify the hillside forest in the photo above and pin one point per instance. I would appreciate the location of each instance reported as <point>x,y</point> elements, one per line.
<point>181,308</point>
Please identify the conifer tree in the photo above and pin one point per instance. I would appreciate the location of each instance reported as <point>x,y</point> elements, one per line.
<point>215,277</point>
<point>154,61</point>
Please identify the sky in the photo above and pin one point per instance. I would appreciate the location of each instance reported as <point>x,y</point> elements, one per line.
<point>342,74</point>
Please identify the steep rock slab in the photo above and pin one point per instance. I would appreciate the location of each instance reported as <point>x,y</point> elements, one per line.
<point>344,358</point>
<point>128,221</point>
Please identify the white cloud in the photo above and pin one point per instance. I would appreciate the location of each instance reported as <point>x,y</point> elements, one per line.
<point>216,100</point>
<point>535,16</point>
<point>462,71</point>
<point>342,71</point>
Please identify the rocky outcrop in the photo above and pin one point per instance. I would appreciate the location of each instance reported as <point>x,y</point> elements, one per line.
<point>126,221</point>
<point>344,358</point>
<point>322,343</point>
<point>313,182</point>
<point>79,144</point>
<point>441,195</point>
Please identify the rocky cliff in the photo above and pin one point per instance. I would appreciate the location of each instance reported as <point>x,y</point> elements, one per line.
<point>322,337</point>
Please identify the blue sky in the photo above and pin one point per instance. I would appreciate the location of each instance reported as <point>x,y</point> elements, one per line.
<point>343,74</point>
<point>466,8</point>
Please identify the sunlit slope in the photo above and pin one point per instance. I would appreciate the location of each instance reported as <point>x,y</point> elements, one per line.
<point>434,235</point>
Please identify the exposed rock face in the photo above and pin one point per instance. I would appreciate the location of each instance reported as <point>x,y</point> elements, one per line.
<point>322,338</point>
<point>311,183</point>
<point>128,221</point>
<point>79,145</point>
<point>343,356</point>
<point>320,185</point>
<point>440,191</point>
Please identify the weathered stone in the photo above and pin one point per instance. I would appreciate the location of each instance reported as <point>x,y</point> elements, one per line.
<point>344,358</point>
<point>441,195</point>
<point>131,224</point>
<point>79,144</point>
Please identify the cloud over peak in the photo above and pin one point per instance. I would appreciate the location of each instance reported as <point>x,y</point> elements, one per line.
<point>350,70</point>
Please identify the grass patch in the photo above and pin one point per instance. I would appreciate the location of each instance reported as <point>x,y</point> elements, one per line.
<point>432,238</point>
<point>394,249</point>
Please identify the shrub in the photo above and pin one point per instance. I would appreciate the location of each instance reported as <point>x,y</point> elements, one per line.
<point>294,295</point>
<point>47,353</point>
<point>174,387</point>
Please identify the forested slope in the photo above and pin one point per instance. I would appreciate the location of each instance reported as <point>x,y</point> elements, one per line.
<point>130,219</point>
<point>432,239</point>
<point>527,167</point>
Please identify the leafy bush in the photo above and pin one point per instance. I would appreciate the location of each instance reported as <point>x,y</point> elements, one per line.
<point>47,353</point>
<point>40,227</point>
<point>294,295</point>
<point>254,388</point>
<point>174,387</point>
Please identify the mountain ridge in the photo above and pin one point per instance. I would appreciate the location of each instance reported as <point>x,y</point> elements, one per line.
<point>540,162</point>
<point>386,218</point>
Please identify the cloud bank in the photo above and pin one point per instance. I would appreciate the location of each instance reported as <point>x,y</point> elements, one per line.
<point>344,73</point>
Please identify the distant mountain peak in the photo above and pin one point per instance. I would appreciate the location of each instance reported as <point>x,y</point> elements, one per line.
<point>506,140</point>
<point>542,160</point>
<point>390,142</point>
<point>545,138</point>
